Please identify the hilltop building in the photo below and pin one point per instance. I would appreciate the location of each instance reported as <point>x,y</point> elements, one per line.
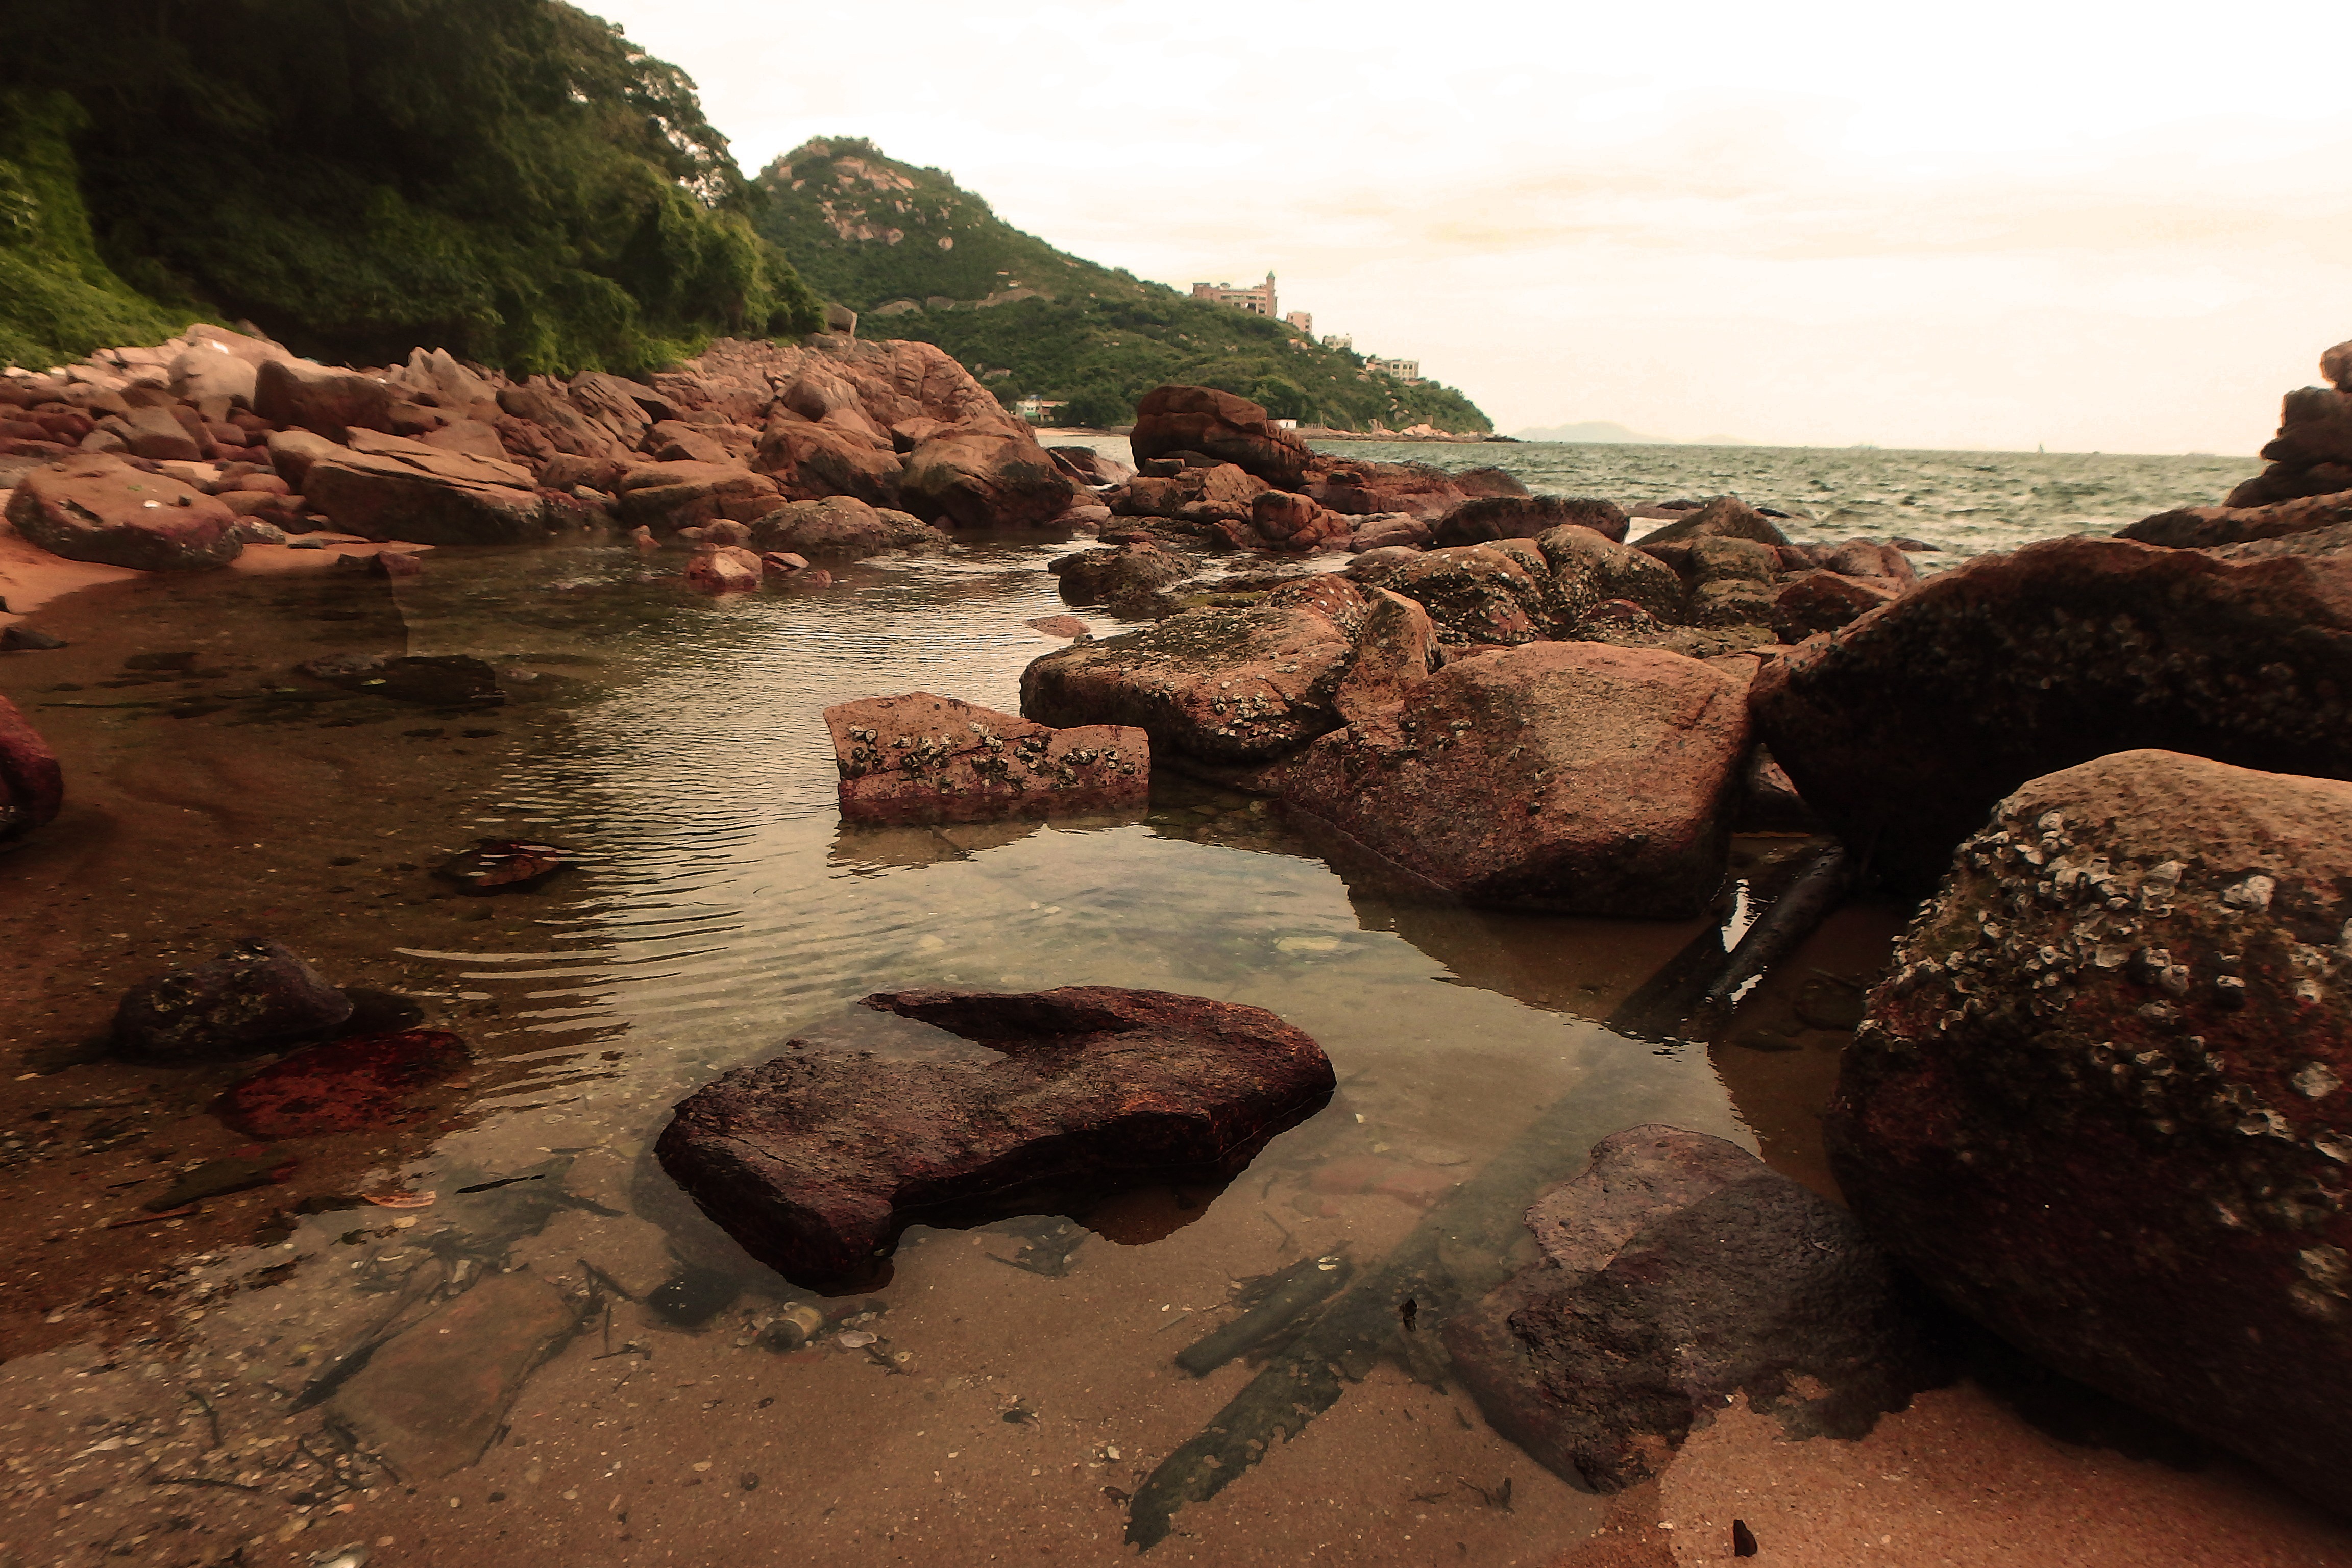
<point>1257,302</point>
<point>1405,369</point>
<point>1340,340</point>
<point>1304,320</point>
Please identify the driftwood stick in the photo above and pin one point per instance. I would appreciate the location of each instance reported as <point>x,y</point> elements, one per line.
<point>1779,930</point>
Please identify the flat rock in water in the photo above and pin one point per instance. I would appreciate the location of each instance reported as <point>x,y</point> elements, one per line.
<point>1677,1271</point>
<point>2104,1104</point>
<point>447,680</point>
<point>256,995</point>
<point>94,507</point>
<point>502,865</point>
<point>924,759</point>
<point>367,1082</point>
<point>431,1400</point>
<point>816,1162</point>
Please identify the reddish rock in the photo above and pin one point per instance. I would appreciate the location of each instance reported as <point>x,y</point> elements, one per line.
<point>1061,626</point>
<point>1677,1272</point>
<point>1221,686</point>
<point>1117,573</point>
<point>1221,492</point>
<point>256,995</point>
<point>1483,518</point>
<point>1869,558</point>
<point>371,1082</point>
<point>984,478</point>
<point>153,434</point>
<point>1336,598</point>
<point>1589,570</point>
<point>390,487</point>
<point>1370,490</point>
<point>781,563</point>
<point>815,1161</point>
<point>32,785</point>
<point>1388,528</point>
<point>724,569</point>
<point>1396,650</point>
<point>924,759</point>
<point>331,403</point>
<point>1825,600</point>
<point>1089,467</point>
<point>681,495</point>
<point>1285,521</point>
<point>1906,729</point>
<point>809,460</point>
<point>2103,1105</point>
<point>1725,517</point>
<point>1474,593</point>
<point>2200,527</point>
<point>1569,777</point>
<point>1218,425</point>
<point>493,866</point>
<point>842,528</point>
<point>99,508</point>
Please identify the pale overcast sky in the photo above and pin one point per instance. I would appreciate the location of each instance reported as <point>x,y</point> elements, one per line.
<point>2097,227</point>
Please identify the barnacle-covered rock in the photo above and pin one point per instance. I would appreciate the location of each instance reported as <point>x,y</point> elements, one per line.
<point>917,758</point>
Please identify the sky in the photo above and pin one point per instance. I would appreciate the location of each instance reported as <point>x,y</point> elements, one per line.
<point>2088,227</point>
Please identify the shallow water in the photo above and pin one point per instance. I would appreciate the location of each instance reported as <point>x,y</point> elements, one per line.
<point>1020,1383</point>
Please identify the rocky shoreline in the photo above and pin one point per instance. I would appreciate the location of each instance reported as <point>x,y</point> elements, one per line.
<point>2098,1106</point>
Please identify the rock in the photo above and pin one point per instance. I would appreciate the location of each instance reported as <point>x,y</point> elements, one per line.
<point>1327,593</point>
<point>2200,527</point>
<point>1474,593</point>
<point>206,372</point>
<point>1128,573</point>
<point>1396,650</point>
<point>1906,729</point>
<point>1868,558</point>
<point>810,461</point>
<point>331,403</point>
<point>291,453</point>
<point>724,569</point>
<point>924,759</point>
<point>1219,425</point>
<point>681,495</point>
<point>674,441</point>
<point>781,563</point>
<point>389,487</point>
<point>817,1160</point>
<point>2101,1106</point>
<point>1394,527</point>
<point>1284,520</point>
<point>1221,686</point>
<point>32,785</point>
<point>1569,777</point>
<point>99,508</point>
<point>1089,467</point>
<point>1483,518</point>
<point>22,638</point>
<point>1214,492</point>
<point>1725,517</point>
<point>431,1399</point>
<point>349,1085</point>
<point>502,865</point>
<point>1589,570</point>
<point>1677,1272</point>
<point>1371,489</point>
<point>1061,626</point>
<point>255,996</point>
<point>446,681</point>
<point>1824,601</point>
<point>842,528</point>
<point>984,479</point>
<point>1490,481</point>
<point>393,564</point>
<point>252,530</point>
<point>153,434</point>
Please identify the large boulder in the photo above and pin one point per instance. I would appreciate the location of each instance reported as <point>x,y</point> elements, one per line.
<point>1569,777</point>
<point>1589,570</point>
<point>1483,518</point>
<point>1476,593</point>
<point>841,527</point>
<point>1210,492</point>
<point>1285,519</point>
<point>682,495</point>
<point>1118,574</point>
<point>1906,729</point>
<point>2201,527</point>
<point>1218,686</point>
<point>1218,425</point>
<point>917,758</point>
<point>32,785</point>
<point>331,403</point>
<point>389,487</point>
<point>1725,517</point>
<point>817,1160</point>
<point>2102,1104</point>
<point>1813,602</point>
<point>256,996</point>
<point>809,460</point>
<point>1367,489</point>
<point>95,507</point>
<point>1678,1271</point>
<point>984,478</point>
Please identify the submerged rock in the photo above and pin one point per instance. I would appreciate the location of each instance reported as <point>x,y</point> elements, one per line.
<point>350,1083</point>
<point>1677,1271</point>
<point>2105,1104</point>
<point>443,680</point>
<point>925,759</point>
<point>502,865</point>
<point>1569,777</point>
<point>1905,730</point>
<point>94,507</point>
<point>816,1162</point>
<point>256,995</point>
<point>32,785</point>
<point>1117,573</point>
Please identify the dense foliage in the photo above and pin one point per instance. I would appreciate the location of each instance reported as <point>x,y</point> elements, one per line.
<point>926,259</point>
<point>510,179</point>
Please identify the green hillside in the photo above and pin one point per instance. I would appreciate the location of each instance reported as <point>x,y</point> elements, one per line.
<point>510,179</point>
<point>919,257</point>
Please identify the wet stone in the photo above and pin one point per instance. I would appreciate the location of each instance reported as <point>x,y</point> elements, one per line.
<point>371,1081</point>
<point>453,680</point>
<point>502,865</point>
<point>256,995</point>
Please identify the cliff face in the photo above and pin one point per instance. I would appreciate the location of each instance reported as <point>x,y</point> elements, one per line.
<point>510,179</point>
<point>909,245</point>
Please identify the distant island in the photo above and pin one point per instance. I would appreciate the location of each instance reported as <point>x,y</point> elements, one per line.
<point>1608,432</point>
<point>918,257</point>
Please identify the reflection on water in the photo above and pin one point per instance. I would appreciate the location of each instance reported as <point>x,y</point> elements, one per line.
<point>1009,1388</point>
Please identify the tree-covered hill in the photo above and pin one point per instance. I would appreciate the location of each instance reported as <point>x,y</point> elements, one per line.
<point>510,179</point>
<point>921,257</point>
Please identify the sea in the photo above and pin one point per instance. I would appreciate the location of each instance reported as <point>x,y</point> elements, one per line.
<point>1962,504</point>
